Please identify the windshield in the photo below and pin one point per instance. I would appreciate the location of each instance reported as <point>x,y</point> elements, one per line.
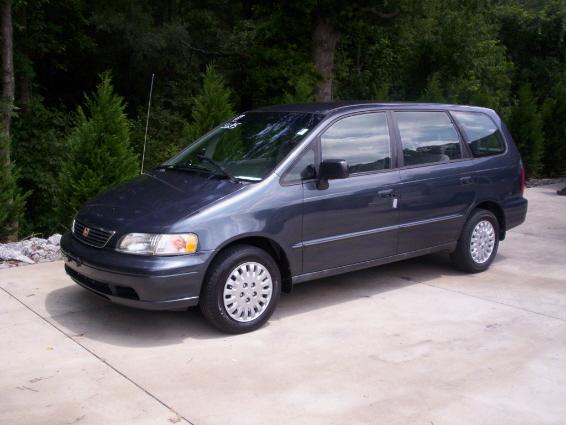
<point>247,147</point>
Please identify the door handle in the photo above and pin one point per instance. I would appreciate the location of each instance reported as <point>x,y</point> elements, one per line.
<point>466,180</point>
<point>388,193</point>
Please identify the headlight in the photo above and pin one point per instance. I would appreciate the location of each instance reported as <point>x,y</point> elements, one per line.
<point>150,244</point>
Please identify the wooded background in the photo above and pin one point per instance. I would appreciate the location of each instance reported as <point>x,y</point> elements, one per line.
<point>214,58</point>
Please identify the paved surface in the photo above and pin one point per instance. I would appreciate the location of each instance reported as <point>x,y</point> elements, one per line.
<point>409,343</point>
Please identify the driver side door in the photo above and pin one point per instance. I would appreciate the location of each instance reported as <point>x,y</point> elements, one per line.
<point>355,219</point>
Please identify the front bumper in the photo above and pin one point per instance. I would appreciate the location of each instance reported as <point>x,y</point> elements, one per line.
<point>147,282</point>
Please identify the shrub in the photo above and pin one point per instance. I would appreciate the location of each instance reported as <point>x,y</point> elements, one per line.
<point>434,91</point>
<point>165,132</point>
<point>11,198</point>
<point>211,107</point>
<point>99,152</point>
<point>303,90</point>
<point>525,124</point>
<point>39,137</point>
<point>554,116</point>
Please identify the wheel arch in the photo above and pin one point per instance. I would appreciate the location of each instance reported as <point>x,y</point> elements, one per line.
<point>497,210</point>
<point>268,245</point>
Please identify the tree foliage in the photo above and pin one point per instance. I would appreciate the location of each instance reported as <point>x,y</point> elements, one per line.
<point>99,155</point>
<point>554,115</point>
<point>525,123</point>
<point>479,52</point>
<point>211,107</point>
<point>12,199</point>
<point>39,140</point>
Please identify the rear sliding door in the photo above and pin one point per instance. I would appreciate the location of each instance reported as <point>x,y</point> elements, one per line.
<point>436,187</point>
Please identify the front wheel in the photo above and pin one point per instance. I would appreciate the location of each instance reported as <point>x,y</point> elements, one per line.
<point>241,290</point>
<point>478,243</point>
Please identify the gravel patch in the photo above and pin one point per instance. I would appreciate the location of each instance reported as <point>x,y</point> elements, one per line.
<point>545,182</point>
<point>30,251</point>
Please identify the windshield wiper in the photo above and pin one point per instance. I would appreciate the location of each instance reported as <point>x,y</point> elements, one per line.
<point>218,166</point>
<point>188,167</point>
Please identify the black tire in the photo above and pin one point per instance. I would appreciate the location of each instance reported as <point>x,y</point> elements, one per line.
<point>211,299</point>
<point>462,257</point>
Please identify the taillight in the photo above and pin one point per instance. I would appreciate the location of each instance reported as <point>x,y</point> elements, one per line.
<point>522,179</point>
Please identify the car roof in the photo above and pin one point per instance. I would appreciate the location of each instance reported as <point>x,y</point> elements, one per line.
<point>327,108</point>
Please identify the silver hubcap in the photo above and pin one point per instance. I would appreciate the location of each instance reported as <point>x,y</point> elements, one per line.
<point>483,241</point>
<point>247,291</point>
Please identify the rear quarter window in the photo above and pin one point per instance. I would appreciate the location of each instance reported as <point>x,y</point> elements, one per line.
<point>482,135</point>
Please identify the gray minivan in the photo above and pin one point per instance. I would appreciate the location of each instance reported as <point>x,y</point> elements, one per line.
<point>286,194</point>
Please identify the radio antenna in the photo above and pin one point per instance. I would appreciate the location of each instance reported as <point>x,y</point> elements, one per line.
<point>147,121</point>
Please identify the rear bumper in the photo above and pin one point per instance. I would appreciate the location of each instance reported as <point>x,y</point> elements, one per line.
<point>151,283</point>
<point>515,212</point>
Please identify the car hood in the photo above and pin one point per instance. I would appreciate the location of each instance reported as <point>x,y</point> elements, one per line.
<point>154,202</point>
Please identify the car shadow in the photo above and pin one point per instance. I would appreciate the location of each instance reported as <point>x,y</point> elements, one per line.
<point>90,317</point>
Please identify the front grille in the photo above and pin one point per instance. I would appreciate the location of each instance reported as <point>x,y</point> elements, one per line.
<point>92,236</point>
<point>101,287</point>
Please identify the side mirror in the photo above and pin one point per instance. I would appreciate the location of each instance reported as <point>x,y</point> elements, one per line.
<point>333,169</point>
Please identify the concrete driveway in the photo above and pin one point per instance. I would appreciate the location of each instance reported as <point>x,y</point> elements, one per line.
<point>409,343</point>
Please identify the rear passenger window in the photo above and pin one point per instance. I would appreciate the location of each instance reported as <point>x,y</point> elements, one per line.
<point>481,133</point>
<point>428,137</point>
<point>361,140</point>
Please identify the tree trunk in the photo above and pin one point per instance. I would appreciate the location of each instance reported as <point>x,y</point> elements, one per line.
<point>23,83</point>
<point>8,85</point>
<point>8,89</point>
<point>324,39</point>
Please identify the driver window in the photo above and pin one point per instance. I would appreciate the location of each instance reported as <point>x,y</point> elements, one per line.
<point>361,140</point>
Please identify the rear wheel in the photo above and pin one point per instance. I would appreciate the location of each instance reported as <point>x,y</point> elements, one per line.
<point>478,243</point>
<point>241,290</point>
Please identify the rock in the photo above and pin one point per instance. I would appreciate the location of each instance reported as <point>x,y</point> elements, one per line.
<point>562,192</point>
<point>9,253</point>
<point>544,182</point>
<point>55,239</point>
<point>30,251</point>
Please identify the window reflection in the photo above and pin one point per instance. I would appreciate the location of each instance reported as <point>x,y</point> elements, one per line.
<point>361,140</point>
<point>427,137</point>
<point>482,134</point>
<point>250,145</point>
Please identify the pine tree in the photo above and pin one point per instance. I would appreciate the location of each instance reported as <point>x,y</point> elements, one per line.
<point>554,118</point>
<point>99,153</point>
<point>211,107</point>
<point>525,124</point>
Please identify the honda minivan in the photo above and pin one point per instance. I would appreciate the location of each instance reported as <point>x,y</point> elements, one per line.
<point>286,194</point>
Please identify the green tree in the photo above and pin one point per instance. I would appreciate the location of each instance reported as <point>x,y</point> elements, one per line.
<point>11,198</point>
<point>39,136</point>
<point>533,33</point>
<point>434,92</point>
<point>99,155</point>
<point>525,124</point>
<point>303,90</point>
<point>554,116</point>
<point>212,106</point>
